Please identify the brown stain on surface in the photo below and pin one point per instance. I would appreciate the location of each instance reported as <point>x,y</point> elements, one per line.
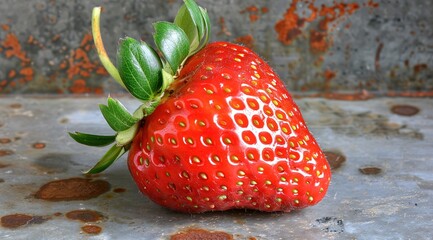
<point>370,170</point>
<point>38,145</point>
<point>19,220</point>
<point>85,215</point>
<point>405,110</point>
<point>5,152</point>
<point>72,189</point>
<point>119,190</point>
<point>2,165</point>
<point>91,229</point>
<point>335,159</point>
<point>201,234</point>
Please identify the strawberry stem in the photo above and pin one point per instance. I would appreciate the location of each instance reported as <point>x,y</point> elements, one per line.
<point>103,56</point>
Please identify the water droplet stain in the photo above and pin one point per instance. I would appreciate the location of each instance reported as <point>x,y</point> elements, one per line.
<point>72,189</point>
<point>370,170</point>
<point>39,145</point>
<point>91,229</point>
<point>5,152</point>
<point>19,220</point>
<point>404,110</point>
<point>195,233</point>
<point>335,159</point>
<point>2,165</point>
<point>84,215</point>
<point>119,190</point>
<point>5,140</point>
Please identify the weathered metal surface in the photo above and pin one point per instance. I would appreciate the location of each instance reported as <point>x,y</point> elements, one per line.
<point>382,184</point>
<point>315,46</point>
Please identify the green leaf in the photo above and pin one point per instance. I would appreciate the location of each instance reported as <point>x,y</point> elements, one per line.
<point>92,140</point>
<point>189,19</point>
<point>117,116</point>
<point>173,43</point>
<point>207,28</point>
<point>140,68</point>
<point>114,153</point>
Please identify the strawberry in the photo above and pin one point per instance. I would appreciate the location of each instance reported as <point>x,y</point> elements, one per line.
<point>217,129</point>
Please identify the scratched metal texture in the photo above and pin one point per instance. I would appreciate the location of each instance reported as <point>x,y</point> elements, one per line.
<point>394,204</point>
<point>326,46</point>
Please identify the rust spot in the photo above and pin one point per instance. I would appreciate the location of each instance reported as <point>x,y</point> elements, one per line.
<point>291,25</point>
<point>5,152</point>
<point>80,67</point>
<point>18,220</point>
<point>419,67</point>
<point>39,145</point>
<point>318,41</point>
<point>5,27</point>
<point>72,189</point>
<point>372,4</point>
<point>370,170</point>
<point>335,159</point>
<point>13,48</point>
<point>5,140</point>
<point>28,73</point>
<point>247,40</point>
<point>84,215</point>
<point>91,229</point>
<point>223,27</point>
<point>119,190</point>
<point>377,57</point>
<point>12,73</point>
<point>2,180</point>
<point>196,233</point>
<point>404,110</point>
<point>254,12</point>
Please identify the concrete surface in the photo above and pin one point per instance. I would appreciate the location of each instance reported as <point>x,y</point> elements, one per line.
<point>392,202</point>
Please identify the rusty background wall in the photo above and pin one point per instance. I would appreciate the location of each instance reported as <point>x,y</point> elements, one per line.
<point>316,46</point>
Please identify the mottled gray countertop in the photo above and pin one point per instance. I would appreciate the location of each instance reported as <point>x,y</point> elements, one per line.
<point>383,190</point>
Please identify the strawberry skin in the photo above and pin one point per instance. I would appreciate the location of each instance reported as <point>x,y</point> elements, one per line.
<point>228,135</point>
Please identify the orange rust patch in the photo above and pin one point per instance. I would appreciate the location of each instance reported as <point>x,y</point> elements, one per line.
<point>223,27</point>
<point>246,40</point>
<point>254,12</point>
<point>5,27</point>
<point>290,27</point>
<point>79,67</point>
<point>12,48</point>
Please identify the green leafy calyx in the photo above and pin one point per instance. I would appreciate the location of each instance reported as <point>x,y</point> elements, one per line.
<point>145,73</point>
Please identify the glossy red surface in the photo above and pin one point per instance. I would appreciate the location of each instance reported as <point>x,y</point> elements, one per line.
<point>228,136</point>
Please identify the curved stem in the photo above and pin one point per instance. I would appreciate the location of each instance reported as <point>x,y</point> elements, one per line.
<point>103,56</point>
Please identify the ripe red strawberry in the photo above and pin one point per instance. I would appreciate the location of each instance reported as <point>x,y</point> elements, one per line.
<point>219,132</point>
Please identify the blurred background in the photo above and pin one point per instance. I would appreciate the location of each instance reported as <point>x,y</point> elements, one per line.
<point>378,47</point>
